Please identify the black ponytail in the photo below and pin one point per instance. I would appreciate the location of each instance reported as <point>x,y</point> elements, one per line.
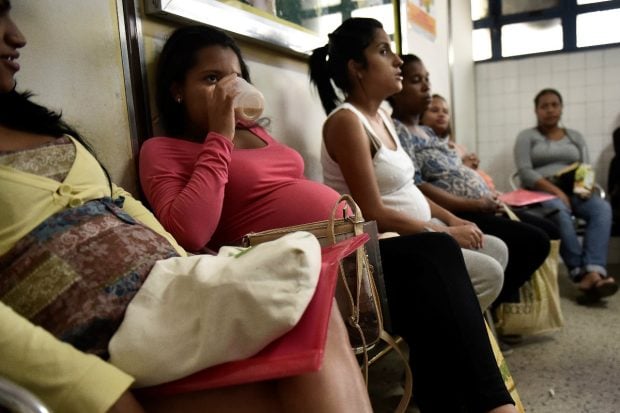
<point>330,63</point>
<point>320,77</point>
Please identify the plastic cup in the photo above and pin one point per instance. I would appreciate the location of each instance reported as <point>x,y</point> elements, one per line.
<point>250,102</point>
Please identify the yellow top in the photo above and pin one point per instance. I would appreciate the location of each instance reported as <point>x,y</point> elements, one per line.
<point>26,199</point>
<point>63,378</point>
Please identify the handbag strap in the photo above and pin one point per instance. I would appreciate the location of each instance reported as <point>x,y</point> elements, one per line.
<point>511,214</point>
<point>408,388</point>
<point>357,217</point>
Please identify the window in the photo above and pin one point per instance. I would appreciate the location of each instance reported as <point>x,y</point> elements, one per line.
<point>607,28</point>
<point>507,28</point>
<point>531,37</point>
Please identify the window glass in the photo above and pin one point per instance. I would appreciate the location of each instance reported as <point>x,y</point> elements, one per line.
<point>532,37</point>
<point>599,27</point>
<point>479,9</point>
<point>481,44</point>
<point>520,6</point>
<point>384,13</point>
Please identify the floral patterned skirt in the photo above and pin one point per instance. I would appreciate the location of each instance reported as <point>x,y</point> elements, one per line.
<point>76,272</point>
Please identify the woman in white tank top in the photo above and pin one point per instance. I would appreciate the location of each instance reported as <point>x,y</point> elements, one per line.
<point>362,156</point>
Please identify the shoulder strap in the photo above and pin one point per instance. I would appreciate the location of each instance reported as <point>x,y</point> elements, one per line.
<point>374,140</point>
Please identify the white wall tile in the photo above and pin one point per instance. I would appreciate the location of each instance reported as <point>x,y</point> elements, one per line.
<point>576,61</point>
<point>594,93</point>
<point>527,67</point>
<point>594,59</point>
<point>594,76</point>
<point>589,82</point>
<point>611,57</point>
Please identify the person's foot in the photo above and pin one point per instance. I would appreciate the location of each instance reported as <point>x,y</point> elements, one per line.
<point>594,287</point>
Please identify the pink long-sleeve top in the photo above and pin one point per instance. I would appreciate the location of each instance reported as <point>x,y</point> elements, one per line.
<point>212,194</point>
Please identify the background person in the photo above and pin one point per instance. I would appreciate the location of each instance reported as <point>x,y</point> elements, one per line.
<point>542,151</point>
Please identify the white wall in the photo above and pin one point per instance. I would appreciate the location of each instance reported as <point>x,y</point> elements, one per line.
<point>73,63</point>
<point>433,52</point>
<point>589,83</point>
<point>463,76</point>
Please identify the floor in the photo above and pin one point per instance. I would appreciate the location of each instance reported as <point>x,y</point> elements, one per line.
<point>574,370</point>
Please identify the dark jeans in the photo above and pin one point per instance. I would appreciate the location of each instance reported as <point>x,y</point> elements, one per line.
<point>434,308</point>
<point>528,247</point>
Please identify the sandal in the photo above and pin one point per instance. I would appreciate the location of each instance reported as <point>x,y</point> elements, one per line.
<point>599,289</point>
<point>605,288</point>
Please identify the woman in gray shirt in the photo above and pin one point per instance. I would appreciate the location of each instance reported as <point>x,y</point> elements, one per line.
<point>540,153</point>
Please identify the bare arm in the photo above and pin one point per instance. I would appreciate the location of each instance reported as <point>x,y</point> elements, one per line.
<point>466,233</point>
<point>457,203</point>
<point>347,143</point>
<point>545,185</point>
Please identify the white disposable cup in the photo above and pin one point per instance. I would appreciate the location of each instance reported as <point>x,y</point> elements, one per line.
<point>250,102</point>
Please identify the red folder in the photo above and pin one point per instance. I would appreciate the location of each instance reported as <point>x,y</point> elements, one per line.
<point>298,351</point>
<point>523,197</point>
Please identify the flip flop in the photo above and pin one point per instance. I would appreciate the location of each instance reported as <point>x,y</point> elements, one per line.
<point>597,291</point>
<point>605,289</point>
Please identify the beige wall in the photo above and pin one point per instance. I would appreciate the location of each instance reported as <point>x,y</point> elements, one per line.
<point>73,63</point>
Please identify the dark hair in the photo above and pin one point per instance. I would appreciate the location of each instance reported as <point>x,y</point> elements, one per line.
<point>176,59</point>
<point>329,63</point>
<point>18,112</point>
<point>407,59</point>
<point>546,92</point>
<point>5,6</point>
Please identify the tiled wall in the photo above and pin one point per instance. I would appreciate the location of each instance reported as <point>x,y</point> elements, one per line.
<point>590,85</point>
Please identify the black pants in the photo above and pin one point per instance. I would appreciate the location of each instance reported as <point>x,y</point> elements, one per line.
<point>528,247</point>
<point>433,306</point>
<point>545,224</point>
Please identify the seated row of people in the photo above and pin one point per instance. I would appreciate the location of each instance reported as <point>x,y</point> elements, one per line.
<point>540,153</point>
<point>214,179</point>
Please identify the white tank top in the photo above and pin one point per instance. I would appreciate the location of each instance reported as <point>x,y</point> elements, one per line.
<point>394,171</point>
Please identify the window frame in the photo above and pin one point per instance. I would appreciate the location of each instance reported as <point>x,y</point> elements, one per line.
<point>567,11</point>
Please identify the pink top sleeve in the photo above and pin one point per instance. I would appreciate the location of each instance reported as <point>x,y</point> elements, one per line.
<point>184,182</point>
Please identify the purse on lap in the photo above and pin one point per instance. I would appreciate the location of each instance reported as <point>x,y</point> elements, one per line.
<point>357,294</point>
<point>360,292</point>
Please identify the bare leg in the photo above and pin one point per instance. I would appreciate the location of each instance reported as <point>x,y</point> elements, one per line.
<point>507,408</point>
<point>256,397</point>
<point>337,387</point>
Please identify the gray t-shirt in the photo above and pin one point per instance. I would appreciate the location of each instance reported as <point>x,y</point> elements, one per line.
<point>537,157</point>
